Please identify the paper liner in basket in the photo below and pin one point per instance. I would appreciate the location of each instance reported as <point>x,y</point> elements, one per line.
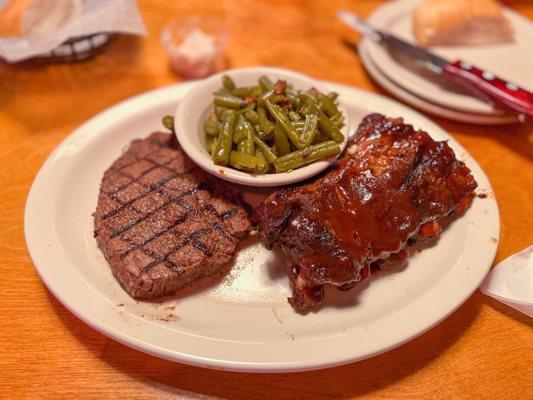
<point>111,16</point>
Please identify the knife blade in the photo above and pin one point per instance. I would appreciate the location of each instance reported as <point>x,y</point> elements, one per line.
<point>482,83</point>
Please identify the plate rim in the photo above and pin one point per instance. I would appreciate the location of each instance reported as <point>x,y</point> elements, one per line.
<point>36,251</point>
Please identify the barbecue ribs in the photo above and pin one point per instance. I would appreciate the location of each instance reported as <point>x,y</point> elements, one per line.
<point>392,186</point>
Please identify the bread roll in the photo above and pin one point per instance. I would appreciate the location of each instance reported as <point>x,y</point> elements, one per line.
<point>34,18</point>
<point>460,22</point>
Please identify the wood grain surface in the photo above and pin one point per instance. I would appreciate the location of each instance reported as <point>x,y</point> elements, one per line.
<point>483,350</point>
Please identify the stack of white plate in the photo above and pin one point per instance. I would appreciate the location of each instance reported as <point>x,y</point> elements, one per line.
<point>412,84</point>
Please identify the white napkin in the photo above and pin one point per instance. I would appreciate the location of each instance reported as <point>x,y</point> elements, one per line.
<point>98,16</point>
<point>511,281</point>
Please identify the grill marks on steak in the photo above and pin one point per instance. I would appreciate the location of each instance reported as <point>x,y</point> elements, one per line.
<point>161,222</point>
<point>392,181</point>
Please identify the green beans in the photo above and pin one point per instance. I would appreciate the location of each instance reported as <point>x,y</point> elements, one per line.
<point>267,151</point>
<point>243,161</point>
<point>264,97</point>
<point>280,140</point>
<point>228,101</point>
<point>294,116</point>
<point>337,120</point>
<point>283,120</point>
<point>309,107</point>
<point>266,125</point>
<point>168,122</point>
<point>211,127</point>
<point>327,105</point>
<point>277,98</point>
<point>242,127</point>
<point>249,145</point>
<point>223,149</point>
<point>240,146</point>
<point>224,92</point>
<point>266,83</point>
<point>263,165</point>
<point>219,112</point>
<point>298,124</point>
<point>213,146</point>
<point>294,100</point>
<point>228,83</point>
<point>310,130</point>
<point>252,116</point>
<point>321,137</point>
<point>333,96</point>
<point>246,91</point>
<point>209,143</point>
<point>265,137</point>
<point>248,108</point>
<point>331,130</point>
<point>269,127</point>
<point>238,134</point>
<point>309,155</point>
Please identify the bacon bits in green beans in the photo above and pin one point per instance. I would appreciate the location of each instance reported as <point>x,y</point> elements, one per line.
<point>269,127</point>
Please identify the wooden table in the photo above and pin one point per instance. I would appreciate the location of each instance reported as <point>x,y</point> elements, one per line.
<point>484,350</point>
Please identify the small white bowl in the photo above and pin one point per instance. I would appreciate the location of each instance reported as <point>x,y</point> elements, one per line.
<point>196,106</point>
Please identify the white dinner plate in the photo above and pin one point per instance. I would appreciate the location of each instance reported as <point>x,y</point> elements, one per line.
<point>511,61</point>
<point>424,105</point>
<point>240,320</point>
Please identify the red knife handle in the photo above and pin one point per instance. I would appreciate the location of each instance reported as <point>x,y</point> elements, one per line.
<point>497,89</point>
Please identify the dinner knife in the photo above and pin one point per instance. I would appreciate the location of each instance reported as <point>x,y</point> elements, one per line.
<point>480,82</point>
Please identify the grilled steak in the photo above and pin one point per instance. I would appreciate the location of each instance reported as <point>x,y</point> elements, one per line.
<point>161,222</point>
<point>393,185</point>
